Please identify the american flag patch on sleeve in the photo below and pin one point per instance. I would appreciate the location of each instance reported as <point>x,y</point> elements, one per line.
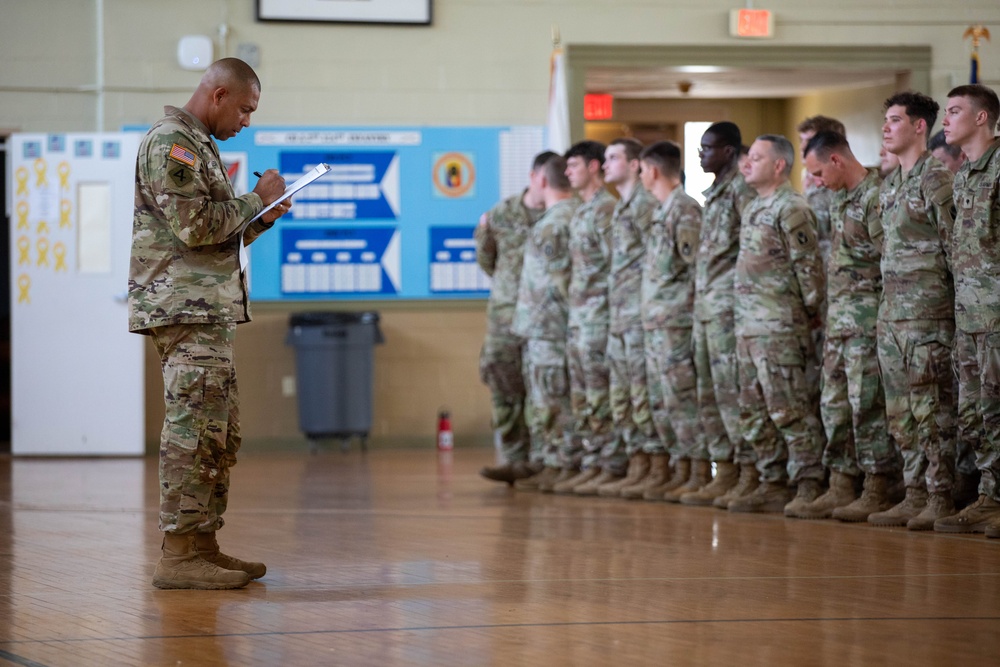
<point>182,155</point>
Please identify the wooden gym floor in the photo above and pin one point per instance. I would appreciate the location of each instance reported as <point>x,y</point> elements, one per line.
<point>402,557</point>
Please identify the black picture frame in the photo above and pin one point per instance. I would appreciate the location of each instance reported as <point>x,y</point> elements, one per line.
<point>372,12</point>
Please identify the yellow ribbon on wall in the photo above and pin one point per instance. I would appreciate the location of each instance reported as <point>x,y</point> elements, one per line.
<point>59,250</point>
<point>22,215</point>
<point>40,168</point>
<point>65,212</point>
<point>42,247</point>
<point>43,227</point>
<point>23,250</point>
<point>22,180</point>
<point>23,285</point>
<point>64,175</point>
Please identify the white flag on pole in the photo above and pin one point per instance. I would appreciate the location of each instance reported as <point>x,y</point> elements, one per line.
<point>557,124</point>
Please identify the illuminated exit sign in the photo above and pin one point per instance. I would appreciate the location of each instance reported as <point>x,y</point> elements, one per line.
<point>751,23</point>
<point>597,107</point>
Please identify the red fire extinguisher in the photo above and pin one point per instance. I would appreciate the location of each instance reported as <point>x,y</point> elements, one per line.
<point>445,438</point>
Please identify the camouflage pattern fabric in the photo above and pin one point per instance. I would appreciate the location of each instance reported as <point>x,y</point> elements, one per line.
<point>977,312</point>
<point>916,361</point>
<point>590,241</point>
<point>779,290</point>
<point>589,379</point>
<point>673,390</point>
<point>500,253</point>
<point>667,284</point>
<point>853,402</point>
<point>201,432</point>
<point>634,429</point>
<point>184,266</point>
<point>630,228</point>
<point>777,418</point>
<point>549,419</point>
<point>820,199</point>
<point>717,375</point>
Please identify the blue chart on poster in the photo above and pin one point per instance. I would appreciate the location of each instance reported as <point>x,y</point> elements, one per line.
<point>393,219</point>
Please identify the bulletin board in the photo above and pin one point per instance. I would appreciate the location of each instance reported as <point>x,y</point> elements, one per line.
<point>394,218</point>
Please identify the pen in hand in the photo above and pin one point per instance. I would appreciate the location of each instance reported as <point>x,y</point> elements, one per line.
<point>258,174</point>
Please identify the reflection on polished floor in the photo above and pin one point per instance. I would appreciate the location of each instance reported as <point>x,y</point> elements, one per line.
<point>405,557</point>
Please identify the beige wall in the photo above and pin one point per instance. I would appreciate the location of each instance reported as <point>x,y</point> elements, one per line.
<point>83,65</point>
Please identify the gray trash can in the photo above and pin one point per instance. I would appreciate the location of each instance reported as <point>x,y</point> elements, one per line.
<point>333,366</point>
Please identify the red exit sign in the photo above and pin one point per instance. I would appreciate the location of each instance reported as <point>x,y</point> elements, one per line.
<point>598,106</point>
<point>752,23</point>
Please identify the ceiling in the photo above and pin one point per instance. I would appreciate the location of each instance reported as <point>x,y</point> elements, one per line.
<point>728,82</point>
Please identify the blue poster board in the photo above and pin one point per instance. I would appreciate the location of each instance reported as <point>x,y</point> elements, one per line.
<point>373,227</point>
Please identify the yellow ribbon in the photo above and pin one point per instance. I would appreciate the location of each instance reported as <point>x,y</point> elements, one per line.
<point>23,250</point>
<point>65,210</point>
<point>40,169</point>
<point>59,250</point>
<point>22,215</point>
<point>42,246</point>
<point>43,227</point>
<point>64,175</point>
<point>22,180</point>
<point>23,284</point>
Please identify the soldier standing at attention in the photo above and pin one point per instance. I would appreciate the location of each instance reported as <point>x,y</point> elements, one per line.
<point>819,196</point>
<point>714,330</point>
<point>853,403</point>
<point>590,253</point>
<point>541,319</point>
<point>916,320</point>
<point>779,293</point>
<point>667,298</point>
<point>635,435</point>
<point>187,292</point>
<point>970,119</point>
<point>500,238</point>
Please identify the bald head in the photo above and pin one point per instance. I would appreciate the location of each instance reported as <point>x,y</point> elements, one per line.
<point>230,73</point>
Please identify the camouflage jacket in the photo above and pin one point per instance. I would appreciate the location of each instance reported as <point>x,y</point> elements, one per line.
<point>542,310</point>
<point>719,244</point>
<point>590,249</point>
<point>914,232</point>
<point>853,276</point>
<point>500,253</point>
<point>779,274</point>
<point>820,199</point>
<point>185,242</point>
<point>630,227</point>
<point>668,266</point>
<point>976,244</point>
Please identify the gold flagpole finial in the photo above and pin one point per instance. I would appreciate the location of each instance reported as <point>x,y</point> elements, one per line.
<point>976,32</point>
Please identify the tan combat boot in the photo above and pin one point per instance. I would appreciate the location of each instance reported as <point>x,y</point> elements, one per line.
<point>508,472</point>
<point>576,480</point>
<point>939,505</point>
<point>659,473</point>
<point>767,497</point>
<point>180,566</point>
<point>898,515</point>
<point>973,519</point>
<point>840,493</point>
<point>589,488</point>
<point>807,492</point>
<point>700,476</point>
<point>726,476</point>
<point>680,476</point>
<point>208,549</point>
<point>535,482</point>
<point>874,498</point>
<point>747,484</point>
<point>549,486</point>
<point>638,469</point>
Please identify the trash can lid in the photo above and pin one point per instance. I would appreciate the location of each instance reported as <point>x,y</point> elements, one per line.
<point>330,317</point>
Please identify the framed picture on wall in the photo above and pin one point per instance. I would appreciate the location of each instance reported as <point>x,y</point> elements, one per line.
<point>409,12</point>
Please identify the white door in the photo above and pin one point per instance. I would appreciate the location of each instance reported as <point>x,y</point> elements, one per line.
<point>77,374</point>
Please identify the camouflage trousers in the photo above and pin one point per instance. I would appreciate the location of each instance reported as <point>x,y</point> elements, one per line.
<point>916,364</point>
<point>589,383</point>
<point>201,427</point>
<point>673,389</point>
<point>978,359</point>
<point>500,369</point>
<point>778,418</point>
<point>634,430</point>
<point>853,408</point>
<point>550,417</point>
<point>717,374</point>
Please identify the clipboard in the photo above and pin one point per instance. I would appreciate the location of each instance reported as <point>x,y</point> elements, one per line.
<point>302,182</point>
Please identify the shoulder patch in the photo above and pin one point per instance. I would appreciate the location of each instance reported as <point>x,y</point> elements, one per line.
<point>180,154</point>
<point>180,175</point>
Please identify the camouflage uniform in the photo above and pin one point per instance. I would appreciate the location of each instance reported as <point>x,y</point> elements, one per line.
<point>779,290</point>
<point>853,405</point>
<point>590,250</point>
<point>714,330</point>
<point>500,253</point>
<point>977,312</point>
<point>916,325</point>
<point>541,318</point>
<point>667,297</point>
<point>187,291</point>
<point>820,200</point>
<point>634,430</point>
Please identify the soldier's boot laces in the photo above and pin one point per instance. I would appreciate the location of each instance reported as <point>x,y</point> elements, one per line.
<point>208,549</point>
<point>180,566</point>
<point>939,505</point>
